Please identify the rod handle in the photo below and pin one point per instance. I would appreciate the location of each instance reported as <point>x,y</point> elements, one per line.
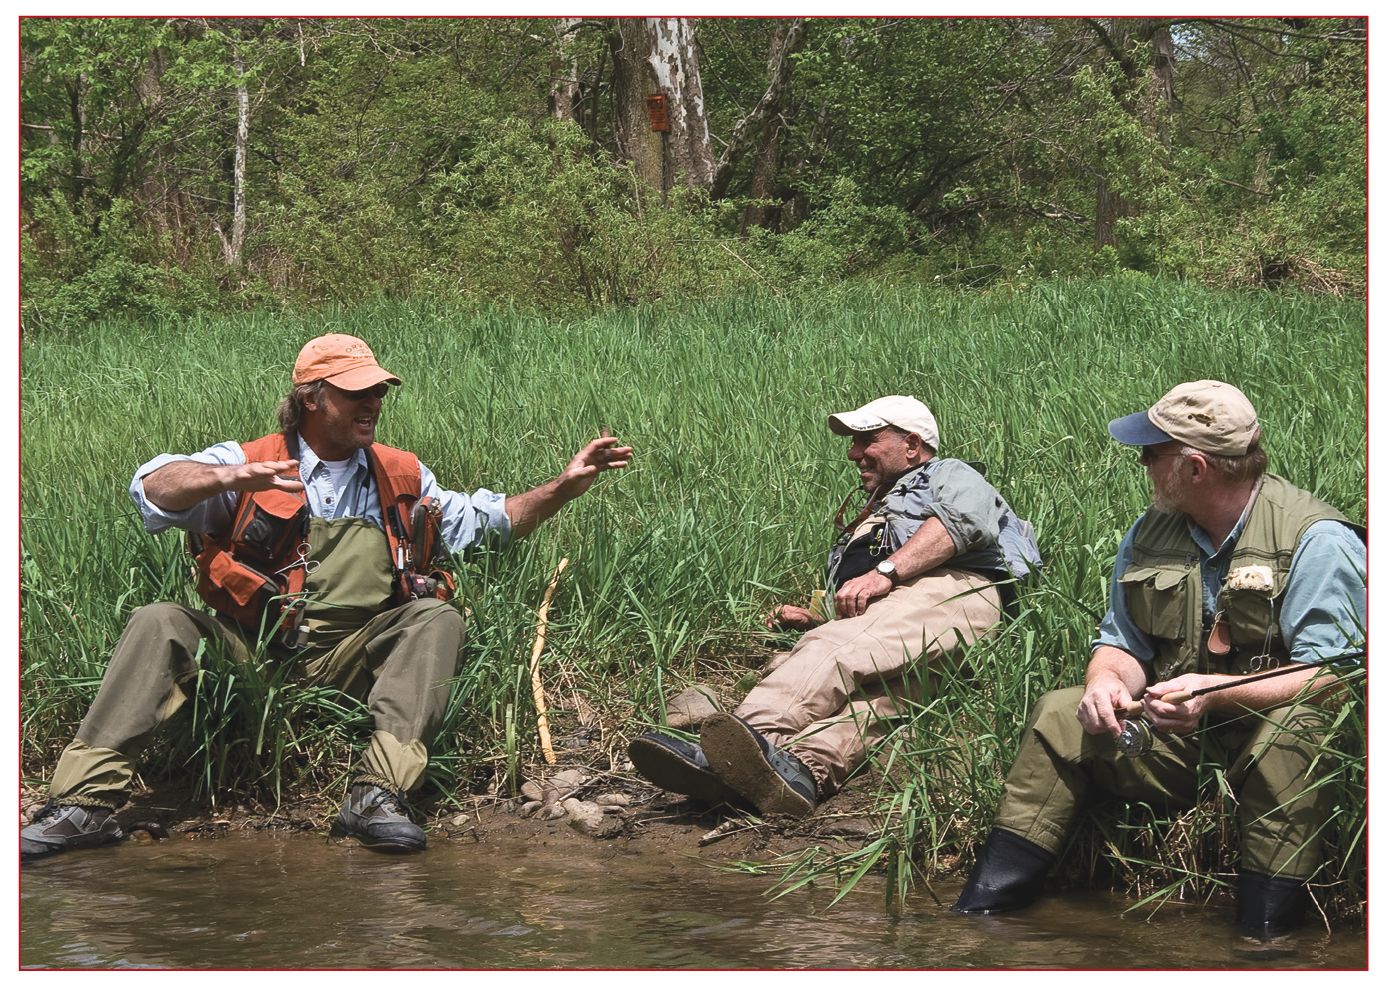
<point>1133,708</point>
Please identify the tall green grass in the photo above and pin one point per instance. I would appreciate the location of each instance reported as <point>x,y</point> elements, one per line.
<point>725,510</point>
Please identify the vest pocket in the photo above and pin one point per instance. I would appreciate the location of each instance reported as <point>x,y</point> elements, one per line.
<point>240,583</point>
<point>1157,599</point>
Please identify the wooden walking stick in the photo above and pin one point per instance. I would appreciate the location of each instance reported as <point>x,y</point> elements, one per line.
<point>538,693</point>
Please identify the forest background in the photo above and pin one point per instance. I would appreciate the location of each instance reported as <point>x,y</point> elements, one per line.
<point>173,165</point>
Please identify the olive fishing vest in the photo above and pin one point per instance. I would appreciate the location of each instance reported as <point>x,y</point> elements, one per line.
<point>1164,591</point>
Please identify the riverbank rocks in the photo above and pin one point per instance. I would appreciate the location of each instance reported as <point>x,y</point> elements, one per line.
<point>558,797</point>
<point>594,820</point>
<point>687,709</point>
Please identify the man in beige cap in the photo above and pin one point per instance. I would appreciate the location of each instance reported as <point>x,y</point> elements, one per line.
<point>323,548</point>
<point>918,575</point>
<point>1232,571</point>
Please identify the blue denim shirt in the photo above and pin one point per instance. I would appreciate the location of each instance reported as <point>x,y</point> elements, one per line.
<point>1324,613</point>
<point>468,519</point>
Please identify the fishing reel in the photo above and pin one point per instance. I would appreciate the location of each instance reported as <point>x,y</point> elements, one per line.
<point>1136,737</point>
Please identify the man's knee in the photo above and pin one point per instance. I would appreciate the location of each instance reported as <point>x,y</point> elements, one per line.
<point>1054,717</point>
<point>437,614</point>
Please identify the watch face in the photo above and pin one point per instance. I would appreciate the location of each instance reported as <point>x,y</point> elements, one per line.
<point>888,569</point>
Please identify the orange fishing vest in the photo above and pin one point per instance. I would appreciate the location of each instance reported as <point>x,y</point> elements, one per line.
<point>253,572</point>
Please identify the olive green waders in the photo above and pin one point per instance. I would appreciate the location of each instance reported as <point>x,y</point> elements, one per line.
<point>1267,758</point>
<point>399,661</point>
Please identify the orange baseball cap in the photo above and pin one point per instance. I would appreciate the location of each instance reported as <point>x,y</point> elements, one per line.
<point>344,361</point>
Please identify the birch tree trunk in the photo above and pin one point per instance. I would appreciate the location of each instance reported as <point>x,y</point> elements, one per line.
<point>659,56</point>
<point>232,248</point>
<point>565,78</point>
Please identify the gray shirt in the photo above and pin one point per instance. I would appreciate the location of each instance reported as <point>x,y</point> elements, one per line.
<point>468,519</point>
<point>989,537</point>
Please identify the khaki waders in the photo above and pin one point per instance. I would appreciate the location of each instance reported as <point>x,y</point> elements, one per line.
<point>1266,757</point>
<point>399,661</point>
<point>832,696</point>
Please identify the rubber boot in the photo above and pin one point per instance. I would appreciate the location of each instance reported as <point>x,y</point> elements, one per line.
<point>1268,906</point>
<point>1009,874</point>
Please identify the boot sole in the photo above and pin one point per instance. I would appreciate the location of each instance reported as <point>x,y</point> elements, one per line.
<point>667,770</point>
<point>737,759</point>
<point>385,844</point>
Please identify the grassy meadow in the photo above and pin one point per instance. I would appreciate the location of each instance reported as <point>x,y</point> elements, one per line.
<point>726,510</point>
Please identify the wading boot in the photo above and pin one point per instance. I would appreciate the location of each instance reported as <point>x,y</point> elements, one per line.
<point>377,818</point>
<point>681,767</point>
<point>1009,874</point>
<point>746,761</point>
<point>1268,906</point>
<point>63,828</point>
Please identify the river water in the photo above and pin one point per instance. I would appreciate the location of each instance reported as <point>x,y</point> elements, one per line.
<point>299,901</point>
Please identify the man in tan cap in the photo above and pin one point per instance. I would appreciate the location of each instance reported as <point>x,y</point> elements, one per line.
<point>323,548</point>
<point>918,575</point>
<point>1232,571</point>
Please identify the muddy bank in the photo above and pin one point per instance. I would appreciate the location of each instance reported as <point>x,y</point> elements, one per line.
<point>578,804</point>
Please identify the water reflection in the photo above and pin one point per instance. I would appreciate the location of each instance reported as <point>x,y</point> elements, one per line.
<point>291,901</point>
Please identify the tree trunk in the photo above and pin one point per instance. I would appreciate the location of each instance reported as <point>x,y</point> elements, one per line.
<point>1117,37</point>
<point>762,124</point>
<point>659,56</point>
<point>232,248</point>
<point>565,77</point>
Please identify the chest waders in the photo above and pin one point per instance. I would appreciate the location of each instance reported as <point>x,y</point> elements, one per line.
<point>1267,756</point>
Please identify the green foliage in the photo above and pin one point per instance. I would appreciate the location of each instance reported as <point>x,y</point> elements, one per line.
<point>725,511</point>
<point>393,157</point>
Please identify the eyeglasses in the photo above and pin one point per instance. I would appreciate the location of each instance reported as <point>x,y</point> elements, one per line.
<point>1148,455</point>
<point>375,391</point>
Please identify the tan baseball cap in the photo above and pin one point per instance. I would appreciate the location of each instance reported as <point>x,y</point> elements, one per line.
<point>906,413</point>
<point>344,361</point>
<point>1211,416</point>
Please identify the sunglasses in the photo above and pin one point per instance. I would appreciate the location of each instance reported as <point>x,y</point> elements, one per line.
<point>376,391</point>
<point>1148,455</point>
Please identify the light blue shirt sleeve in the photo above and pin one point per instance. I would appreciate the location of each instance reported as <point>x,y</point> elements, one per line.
<point>211,515</point>
<point>1324,614</point>
<point>468,520</point>
<point>1117,630</point>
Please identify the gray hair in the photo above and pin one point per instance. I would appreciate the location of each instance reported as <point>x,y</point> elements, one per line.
<point>290,411</point>
<point>1235,469</point>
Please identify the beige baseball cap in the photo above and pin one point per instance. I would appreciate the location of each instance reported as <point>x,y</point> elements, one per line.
<point>906,413</point>
<point>1211,416</point>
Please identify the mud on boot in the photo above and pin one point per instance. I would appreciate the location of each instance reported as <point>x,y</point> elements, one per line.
<point>681,767</point>
<point>61,827</point>
<point>379,819</point>
<point>772,780</point>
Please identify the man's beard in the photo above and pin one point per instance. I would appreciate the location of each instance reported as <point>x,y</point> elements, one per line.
<point>1167,491</point>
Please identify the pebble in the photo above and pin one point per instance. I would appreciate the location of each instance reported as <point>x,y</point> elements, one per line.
<point>590,818</point>
<point>687,709</point>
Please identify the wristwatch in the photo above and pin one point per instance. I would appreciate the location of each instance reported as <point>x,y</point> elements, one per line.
<point>887,568</point>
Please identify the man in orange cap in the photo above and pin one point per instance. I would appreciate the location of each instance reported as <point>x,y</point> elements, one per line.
<point>307,542</point>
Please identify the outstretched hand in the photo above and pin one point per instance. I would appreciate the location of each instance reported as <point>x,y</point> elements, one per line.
<point>599,455</point>
<point>264,475</point>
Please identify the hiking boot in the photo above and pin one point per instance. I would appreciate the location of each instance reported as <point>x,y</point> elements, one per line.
<point>378,818</point>
<point>62,828</point>
<point>1009,874</point>
<point>1269,906</point>
<point>746,761</point>
<point>680,767</point>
